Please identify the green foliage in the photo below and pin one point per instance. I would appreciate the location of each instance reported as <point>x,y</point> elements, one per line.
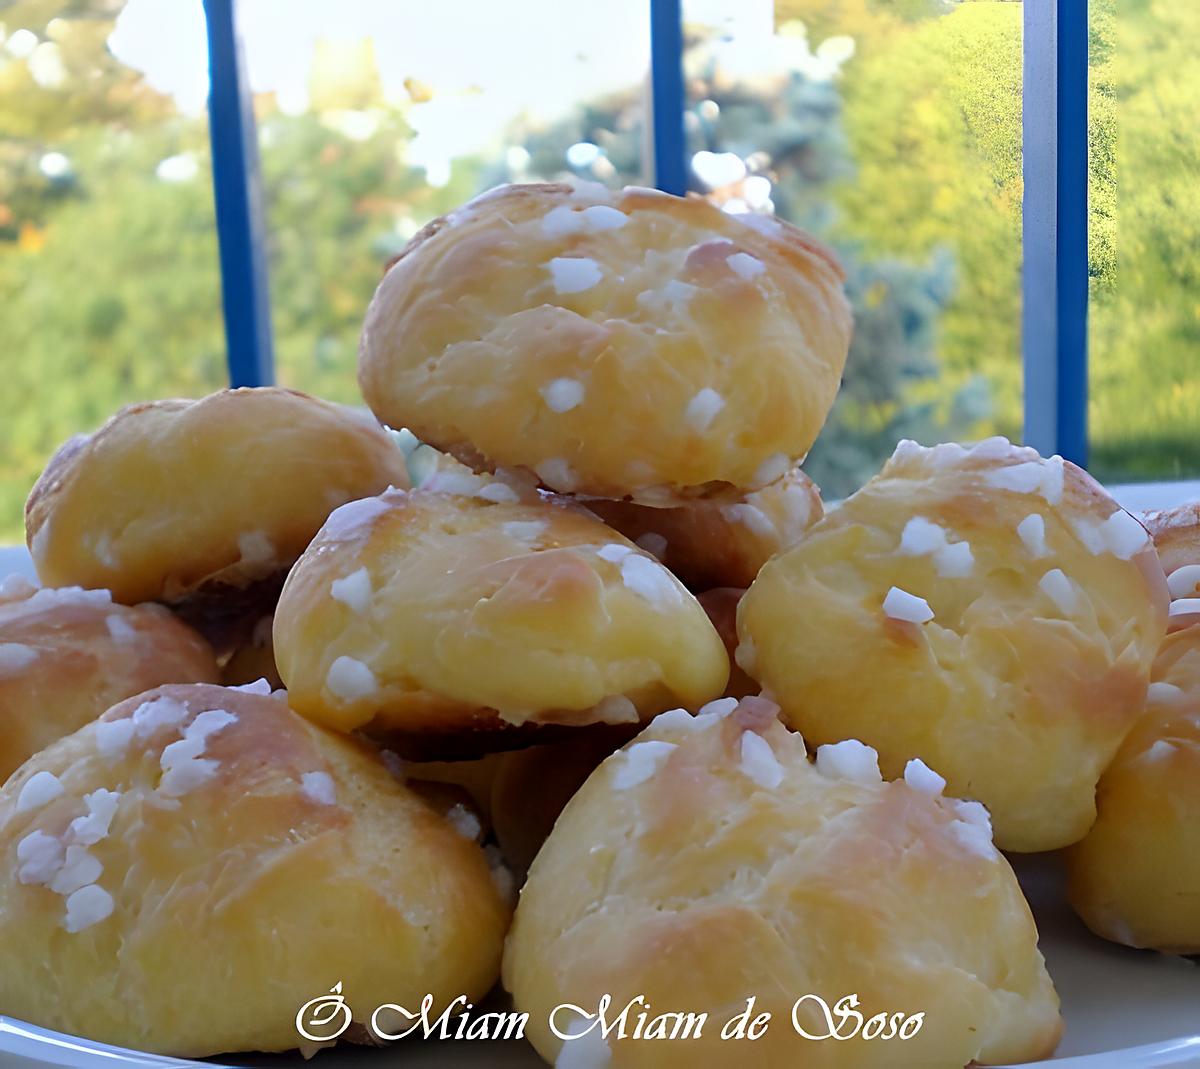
<point>907,161</point>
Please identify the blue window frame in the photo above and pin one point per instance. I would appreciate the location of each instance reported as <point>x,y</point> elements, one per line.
<point>1055,243</point>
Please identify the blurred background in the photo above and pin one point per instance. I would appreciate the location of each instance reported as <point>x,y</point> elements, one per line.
<point>891,128</point>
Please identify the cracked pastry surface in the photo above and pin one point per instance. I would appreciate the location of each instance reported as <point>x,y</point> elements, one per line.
<point>987,610</point>
<point>171,497</point>
<point>618,344</point>
<point>709,861</point>
<point>166,831</point>
<point>67,654</point>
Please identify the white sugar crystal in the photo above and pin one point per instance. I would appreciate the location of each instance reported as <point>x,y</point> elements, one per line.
<point>255,547</point>
<point>901,605</point>
<point>498,493</point>
<point>614,552</point>
<point>589,1051</point>
<point>353,590</point>
<point>1059,589</point>
<point>208,723</point>
<point>751,517</point>
<point>48,597</point>
<point>719,708</point>
<point>603,217</point>
<point>113,737</point>
<point>350,679</point>
<point>1184,582</point>
<point>525,530</point>
<point>90,828</point>
<point>556,473</point>
<point>973,828</point>
<point>676,719</point>
<point>742,263</point>
<point>759,762</point>
<point>502,875</point>
<point>1053,477</point>
<point>1184,606</point>
<point>87,906</point>
<point>161,712</point>
<point>39,857</point>
<point>80,867</point>
<point>1123,535</point>
<point>15,585</point>
<point>774,467</point>
<point>120,629</point>
<point>703,408</point>
<point>40,789</point>
<point>319,787</point>
<point>562,395</point>
<point>464,821</point>
<point>765,224</point>
<point>16,657</point>
<point>1088,532</point>
<point>348,518</point>
<point>653,543</point>
<point>1163,693</point>
<point>259,686</point>
<point>921,536</point>
<point>972,838</point>
<point>617,709</point>
<point>995,448</point>
<point>975,814</point>
<point>649,580</point>
<point>641,761</point>
<point>954,560</point>
<point>561,222</point>
<point>186,775</point>
<point>457,483</point>
<point>1032,532</point>
<point>1025,478</point>
<point>574,274</point>
<point>920,777</point>
<point>849,759</point>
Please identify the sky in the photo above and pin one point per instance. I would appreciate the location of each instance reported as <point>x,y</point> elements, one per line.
<point>485,60</point>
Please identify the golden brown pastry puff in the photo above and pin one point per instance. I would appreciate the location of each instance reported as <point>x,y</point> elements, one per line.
<point>68,654</point>
<point>987,610</point>
<point>173,500</point>
<point>618,344</point>
<point>709,863</point>
<point>716,543</point>
<point>1176,534</point>
<point>185,873</point>
<point>1135,877</point>
<point>456,615</point>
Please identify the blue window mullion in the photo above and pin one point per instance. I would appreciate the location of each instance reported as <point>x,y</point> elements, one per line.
<point>667,93</point>
<point>237,191</point>
<point>1054,239</point>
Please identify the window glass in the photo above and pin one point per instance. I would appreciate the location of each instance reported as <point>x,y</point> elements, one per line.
<point>375,117</point>
<point>1144,236</point>
<point>892,129</point>
<point>108,260</point>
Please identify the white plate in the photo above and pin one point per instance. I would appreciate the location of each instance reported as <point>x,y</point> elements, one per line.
<point>1124,1009</point>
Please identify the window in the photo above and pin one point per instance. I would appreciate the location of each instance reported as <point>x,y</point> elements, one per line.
<point>376,121</point>
<point>1144,241</point>
<point>893,131</point>
<point>108,246</point>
